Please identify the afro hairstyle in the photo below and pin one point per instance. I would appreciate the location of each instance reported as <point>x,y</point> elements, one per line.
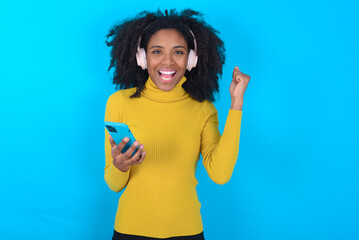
<point>202,80</point>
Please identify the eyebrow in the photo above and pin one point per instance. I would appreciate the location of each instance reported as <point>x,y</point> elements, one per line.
<point>158,46</point>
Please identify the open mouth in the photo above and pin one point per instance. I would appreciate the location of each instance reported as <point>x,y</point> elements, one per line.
<point>167,76</point>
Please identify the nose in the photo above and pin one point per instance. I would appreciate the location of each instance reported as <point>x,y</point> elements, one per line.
<point>167,59</point>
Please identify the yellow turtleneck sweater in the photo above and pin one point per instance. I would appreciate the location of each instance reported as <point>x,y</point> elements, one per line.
<point>160,199</point>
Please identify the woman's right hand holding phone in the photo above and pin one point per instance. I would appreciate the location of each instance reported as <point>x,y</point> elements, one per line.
<point>123,161</point>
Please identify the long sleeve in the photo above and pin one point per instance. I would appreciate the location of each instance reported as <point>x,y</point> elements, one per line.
<point>220,152</point>
<point>115,178</point>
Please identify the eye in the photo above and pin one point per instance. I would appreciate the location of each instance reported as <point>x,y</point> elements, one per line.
<point>179,52</point>
<point>156,52</point>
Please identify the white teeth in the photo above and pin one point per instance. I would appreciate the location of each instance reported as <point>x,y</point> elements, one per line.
<point>165,72</point>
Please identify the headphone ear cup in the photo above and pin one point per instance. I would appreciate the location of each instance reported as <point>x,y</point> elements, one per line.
<point>192,60</point>
<point>141,58</point>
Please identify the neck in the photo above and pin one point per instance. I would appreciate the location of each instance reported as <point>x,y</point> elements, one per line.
<point>151,91</point>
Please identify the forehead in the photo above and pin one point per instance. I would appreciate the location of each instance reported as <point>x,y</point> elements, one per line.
<point>167,37</point>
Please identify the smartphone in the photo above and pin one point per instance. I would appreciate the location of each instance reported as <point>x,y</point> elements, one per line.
<point>119,131</point>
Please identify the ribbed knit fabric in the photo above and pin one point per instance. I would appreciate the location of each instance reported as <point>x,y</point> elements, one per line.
<point>160,199</point>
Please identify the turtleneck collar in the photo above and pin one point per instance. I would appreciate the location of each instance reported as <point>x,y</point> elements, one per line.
<point>151,91</point>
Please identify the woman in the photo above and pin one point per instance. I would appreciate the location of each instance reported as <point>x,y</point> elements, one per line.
<point>168,66</point>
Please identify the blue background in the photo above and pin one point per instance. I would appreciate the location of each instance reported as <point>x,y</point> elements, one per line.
<point>297,171</point>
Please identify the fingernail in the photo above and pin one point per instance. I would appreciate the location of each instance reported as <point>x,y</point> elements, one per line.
<point>126,139</point>
<point>141,147</point>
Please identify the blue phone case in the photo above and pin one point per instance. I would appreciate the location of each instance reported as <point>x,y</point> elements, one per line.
<point>119,131</point>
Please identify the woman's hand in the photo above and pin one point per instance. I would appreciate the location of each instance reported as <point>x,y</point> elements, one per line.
<point>237,88</point>
<point>123,161</point>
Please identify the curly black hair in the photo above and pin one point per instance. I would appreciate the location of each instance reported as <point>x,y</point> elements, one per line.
<point>202,81</point>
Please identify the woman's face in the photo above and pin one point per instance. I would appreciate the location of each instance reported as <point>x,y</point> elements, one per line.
<point>167,55</point>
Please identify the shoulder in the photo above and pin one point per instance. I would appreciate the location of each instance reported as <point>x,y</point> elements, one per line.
<point>208,107</point>
<point>115,104</point>
<point>209,111</point>
<point>120,95</point>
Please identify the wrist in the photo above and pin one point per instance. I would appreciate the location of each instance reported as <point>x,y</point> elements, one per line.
<point>237,104</point>
<point>121,168</point>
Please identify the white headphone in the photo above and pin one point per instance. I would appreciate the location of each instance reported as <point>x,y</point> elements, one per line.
<point>192,56</point>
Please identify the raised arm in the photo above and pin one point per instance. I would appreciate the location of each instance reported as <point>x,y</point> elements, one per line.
<point>220,152</point>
